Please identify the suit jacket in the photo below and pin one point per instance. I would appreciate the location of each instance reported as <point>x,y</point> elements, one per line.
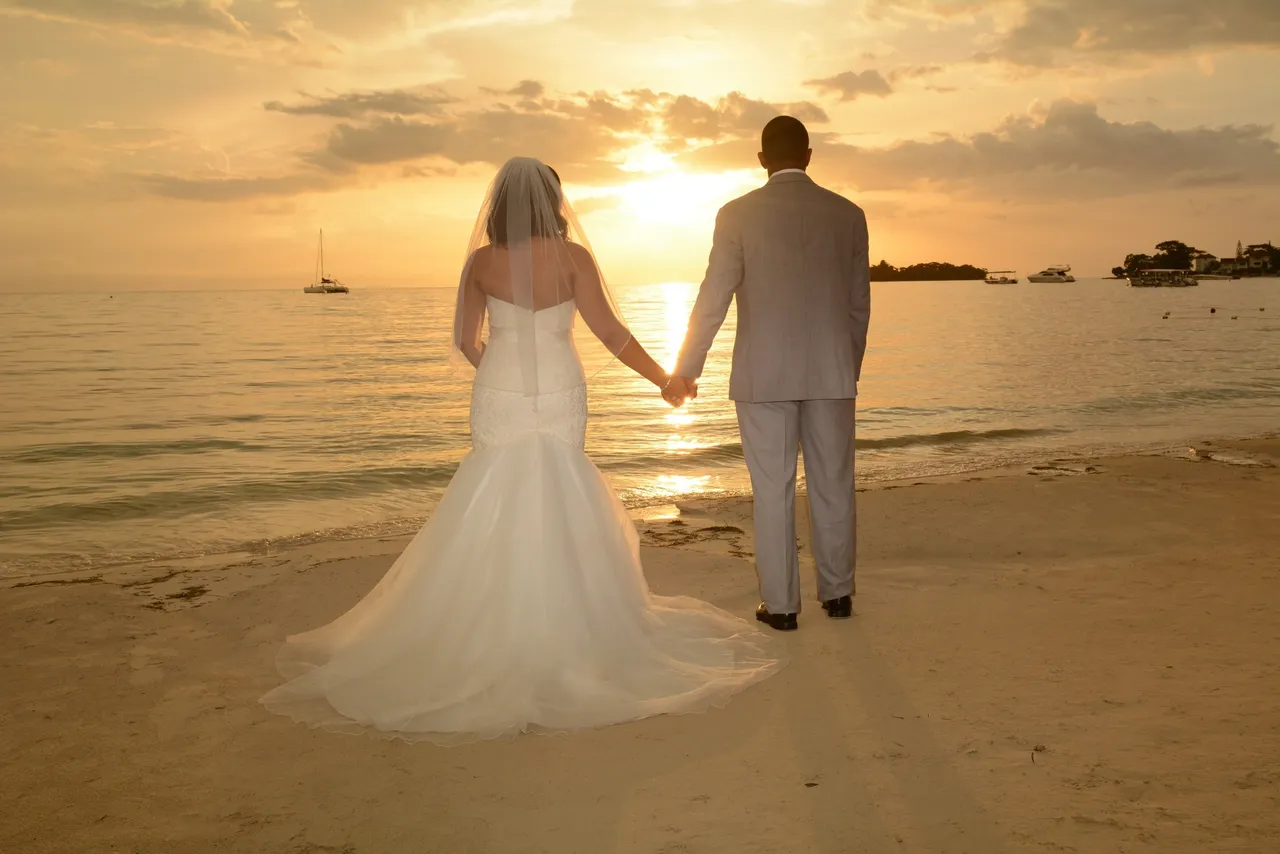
<point>795,257</point>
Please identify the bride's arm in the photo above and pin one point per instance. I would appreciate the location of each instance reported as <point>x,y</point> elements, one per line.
<point>472,309</point>
<point>598,313</point>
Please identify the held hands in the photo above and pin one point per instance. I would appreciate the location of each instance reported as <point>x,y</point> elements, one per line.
<point>679,390</point>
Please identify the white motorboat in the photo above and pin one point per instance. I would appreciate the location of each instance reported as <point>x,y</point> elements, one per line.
<point>1053,274</point>
<point>1001,277</point>
<point>323,284</point>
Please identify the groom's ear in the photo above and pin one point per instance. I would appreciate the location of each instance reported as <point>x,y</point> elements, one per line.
<point>763,163</point>
<point>808,155</point>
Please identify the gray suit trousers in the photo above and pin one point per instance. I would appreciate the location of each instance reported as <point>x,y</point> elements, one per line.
<point>771,435</point>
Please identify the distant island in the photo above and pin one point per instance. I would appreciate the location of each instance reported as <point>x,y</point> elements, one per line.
<point>930,271</point>
<point>1258,259</point>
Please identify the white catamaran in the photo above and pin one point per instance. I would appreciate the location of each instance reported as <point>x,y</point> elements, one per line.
<point>323,284</point>
<point>1001,277</point>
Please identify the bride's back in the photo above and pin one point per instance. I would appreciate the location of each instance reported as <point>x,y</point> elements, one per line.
<point>526,260</point>
<point>550,268</point>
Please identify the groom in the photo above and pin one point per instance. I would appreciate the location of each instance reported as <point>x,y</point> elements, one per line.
<point>795,257</point>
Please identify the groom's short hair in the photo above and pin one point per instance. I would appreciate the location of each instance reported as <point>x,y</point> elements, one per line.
<point>784,140</point>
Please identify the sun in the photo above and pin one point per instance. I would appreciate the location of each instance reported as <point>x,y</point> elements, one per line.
<point>678,197</point>
<point>661,192</point>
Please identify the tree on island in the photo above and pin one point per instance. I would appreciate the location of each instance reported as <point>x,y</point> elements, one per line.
<point>1170,255</point>
<point>1175,255</point>
<point>930,271</point>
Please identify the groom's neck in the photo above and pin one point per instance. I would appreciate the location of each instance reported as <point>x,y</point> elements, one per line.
<point>771,169</point>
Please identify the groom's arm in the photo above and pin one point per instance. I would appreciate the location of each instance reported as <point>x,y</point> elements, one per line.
<point>724,275</point>
<point>860,302</point>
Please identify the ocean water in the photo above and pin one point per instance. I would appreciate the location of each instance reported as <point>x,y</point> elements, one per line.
<point>141,425</point>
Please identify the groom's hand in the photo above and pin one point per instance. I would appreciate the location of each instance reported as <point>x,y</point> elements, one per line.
<point>679,390</point>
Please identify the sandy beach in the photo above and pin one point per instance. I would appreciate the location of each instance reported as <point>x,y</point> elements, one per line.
<point>1073,657</point>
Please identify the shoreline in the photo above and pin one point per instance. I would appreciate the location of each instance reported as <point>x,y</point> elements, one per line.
<point>240,564</point>
<point>1075,656</point>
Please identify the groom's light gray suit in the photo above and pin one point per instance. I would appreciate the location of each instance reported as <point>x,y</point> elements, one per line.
<point>795,257</point>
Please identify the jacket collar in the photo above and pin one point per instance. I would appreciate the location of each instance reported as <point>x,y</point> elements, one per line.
<point>788,176</point>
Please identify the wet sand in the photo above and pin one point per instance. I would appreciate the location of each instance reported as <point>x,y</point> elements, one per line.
<point>1079,656</point>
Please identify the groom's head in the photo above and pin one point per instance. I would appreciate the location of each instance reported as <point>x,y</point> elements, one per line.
<point>784,144</point>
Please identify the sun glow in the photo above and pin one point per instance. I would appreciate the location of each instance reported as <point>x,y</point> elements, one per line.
<point>677,302</point>
<point>677,197</point>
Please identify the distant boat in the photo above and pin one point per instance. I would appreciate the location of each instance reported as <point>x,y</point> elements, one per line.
<point>1162,279</point>
<point>323,284</point>
<point>1001,277</point>
<point>1055,273</point>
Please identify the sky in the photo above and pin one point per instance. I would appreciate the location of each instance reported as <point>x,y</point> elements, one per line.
<point>184,143</point>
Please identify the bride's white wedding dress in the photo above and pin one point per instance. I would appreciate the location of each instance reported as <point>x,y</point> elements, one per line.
<point>521,605</point>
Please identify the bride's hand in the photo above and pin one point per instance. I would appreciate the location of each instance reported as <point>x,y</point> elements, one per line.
<point>679,390</point>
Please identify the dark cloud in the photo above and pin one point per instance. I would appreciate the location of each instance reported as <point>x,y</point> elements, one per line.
<point>851,85</point>
<point>400,102</point>
<point>578,148</point>
<point>1067,150</point>
<point>1050,27</point>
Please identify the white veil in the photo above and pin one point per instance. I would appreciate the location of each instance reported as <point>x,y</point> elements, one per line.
<point>528,250</point>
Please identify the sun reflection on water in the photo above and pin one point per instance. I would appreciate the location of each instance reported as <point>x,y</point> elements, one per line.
<point>677,302</point>
<point>682,485</point>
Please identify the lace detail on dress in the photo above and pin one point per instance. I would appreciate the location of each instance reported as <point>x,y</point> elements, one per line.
<point>499,417</point>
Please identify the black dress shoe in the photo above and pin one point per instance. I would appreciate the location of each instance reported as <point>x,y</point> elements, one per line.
<point>839,609</point>
<point>778,622</point>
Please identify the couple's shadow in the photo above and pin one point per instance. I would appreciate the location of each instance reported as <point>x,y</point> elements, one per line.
<point>828,755</point>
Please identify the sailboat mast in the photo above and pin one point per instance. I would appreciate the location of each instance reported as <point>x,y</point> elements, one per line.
<point>322,253</point>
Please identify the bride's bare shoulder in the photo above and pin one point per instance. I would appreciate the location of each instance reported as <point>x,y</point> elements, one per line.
<point>479,262</point>
<point>578,253</point>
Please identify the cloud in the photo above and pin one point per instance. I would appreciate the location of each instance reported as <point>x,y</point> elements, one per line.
<point>400,102</point>
<point>629,113</point>
<point>1050,27</point>
<point>581,134</point>
<point>914,72</point>
<point>578,148</point>
<point>1064,150</point>
<point>929,9</point>
<point>207,15</point>
<point>851,85</point>
<point>259,29</point>
<point>687,118</point>
<point>229,189</point>
<point>595,204</point>
<point>523,89</point>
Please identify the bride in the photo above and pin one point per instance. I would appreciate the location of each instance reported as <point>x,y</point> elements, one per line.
<point>521,605</point>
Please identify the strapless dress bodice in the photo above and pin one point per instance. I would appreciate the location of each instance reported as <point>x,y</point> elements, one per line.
<point>506,361</point>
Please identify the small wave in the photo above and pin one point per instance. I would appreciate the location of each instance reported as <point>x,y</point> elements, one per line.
<point>181,502</point>
<point>1174,398</point>
<point>731,452</point>
<point>126,450</point>
<point>950,437</point>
